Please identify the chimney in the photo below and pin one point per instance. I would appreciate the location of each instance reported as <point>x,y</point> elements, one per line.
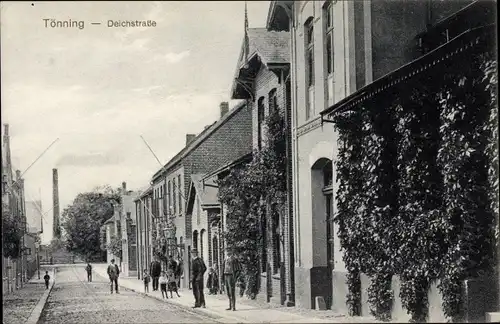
<point>224,108</point>
<point>190,138</point>
<point>56,233</point>
<point>124,187</point>
<point>18,175</point>
<point>6,129</point>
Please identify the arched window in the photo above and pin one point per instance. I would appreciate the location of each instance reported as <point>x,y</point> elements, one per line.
<point>260,122</point>
<point>273,101</point>
<point>309,58</point>
<point>195,240</point>
<point>202,241</point>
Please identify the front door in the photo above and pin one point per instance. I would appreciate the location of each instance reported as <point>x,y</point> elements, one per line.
<point>329,248</point>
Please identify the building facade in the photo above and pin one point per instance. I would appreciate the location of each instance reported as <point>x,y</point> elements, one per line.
<point>262,78</point>
<point>168,230</point>
<point>338,48</point>
<point>14,207</point>
<point>144,252</point>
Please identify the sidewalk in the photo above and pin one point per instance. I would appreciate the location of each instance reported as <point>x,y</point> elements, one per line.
<point>21,305</point>
<point>245,312</point>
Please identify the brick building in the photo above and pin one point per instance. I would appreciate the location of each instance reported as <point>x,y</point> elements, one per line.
<point>262,78</point>
<point>223,141</point>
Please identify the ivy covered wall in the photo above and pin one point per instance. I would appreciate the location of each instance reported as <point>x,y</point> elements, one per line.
<point>418,184</point>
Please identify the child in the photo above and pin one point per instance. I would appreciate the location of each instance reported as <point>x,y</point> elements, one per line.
<point>146,280</point>
<point>163,284</point>
<point>212,282</point>
<point>46,278</point>
<point>172,283</point>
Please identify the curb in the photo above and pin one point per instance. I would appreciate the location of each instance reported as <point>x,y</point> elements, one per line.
<point>37,311</point>
<point>207,313</point>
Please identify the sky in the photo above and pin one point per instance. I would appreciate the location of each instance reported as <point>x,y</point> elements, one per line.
<point>96,90</point>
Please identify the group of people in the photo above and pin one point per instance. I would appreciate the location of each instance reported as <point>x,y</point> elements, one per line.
<point>231,274</point>
<point>169,280</point>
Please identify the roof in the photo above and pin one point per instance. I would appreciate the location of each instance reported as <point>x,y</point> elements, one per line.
<point>110,220</point>
<point>271,47</point>
<point>431,60</point>
<point>208,195</point>
<point>245,158</point>
<point>199,139</point>
<point>144,193</point>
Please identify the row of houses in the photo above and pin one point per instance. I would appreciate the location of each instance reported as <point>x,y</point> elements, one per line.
<point>21,224</point>
<point>312,58</point>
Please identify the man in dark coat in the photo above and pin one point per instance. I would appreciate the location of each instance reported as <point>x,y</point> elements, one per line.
<point>155,272</point>
<point>198,270</point>
<point>113,273</point>
<point>89,272</point>
<point>232,272</point>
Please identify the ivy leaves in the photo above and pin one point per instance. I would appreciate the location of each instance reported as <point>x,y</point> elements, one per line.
<point>418,187</point>
<point>245,193</point>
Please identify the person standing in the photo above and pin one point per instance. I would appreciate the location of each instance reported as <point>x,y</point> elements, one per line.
<point>212,282</point>
<point>113,273</point>
<point>46,278</point>
<point>155,273</point>
<point>232,272</point>
<point>163,284</point>
<point>146,279</point>
<point>89,272</point>
<point>198,270</point>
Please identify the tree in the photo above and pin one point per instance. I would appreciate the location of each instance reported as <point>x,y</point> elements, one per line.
<point>11,233</point>
<point>82,220</point>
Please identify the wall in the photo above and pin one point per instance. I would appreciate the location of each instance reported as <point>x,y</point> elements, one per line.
<point>127,206</point>
<point>394,27</point>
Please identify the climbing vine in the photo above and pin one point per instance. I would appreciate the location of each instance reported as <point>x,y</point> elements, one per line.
<point>468,162</point>
<point>251,195</point>
<point>418,184</point>
<point>11,232</point>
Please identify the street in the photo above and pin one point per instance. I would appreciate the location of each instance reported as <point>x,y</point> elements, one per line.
<point>74,300</point>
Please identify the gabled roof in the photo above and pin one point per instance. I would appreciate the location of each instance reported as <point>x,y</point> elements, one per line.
<point>143,194</point>
<point>271,47</point>
<point>208,195</point>
<point>199,139</point>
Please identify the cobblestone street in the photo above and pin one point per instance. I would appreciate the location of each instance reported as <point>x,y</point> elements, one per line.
<point>74,300</point>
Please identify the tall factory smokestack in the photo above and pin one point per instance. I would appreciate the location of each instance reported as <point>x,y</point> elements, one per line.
<point>56,231</point>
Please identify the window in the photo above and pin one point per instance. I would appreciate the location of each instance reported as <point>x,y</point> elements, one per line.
<point>174,205</point>
<point>260,122</point>
<point>198,212</point>
<point>276,243</point>
<point>329,40</point>
<point>309,50</point>
<point>273,101</point>
<point>328,175</point>
<point>169,203</point>
<point>180,192</point>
